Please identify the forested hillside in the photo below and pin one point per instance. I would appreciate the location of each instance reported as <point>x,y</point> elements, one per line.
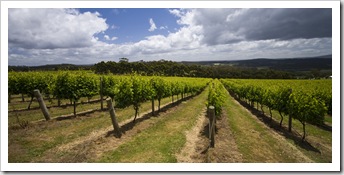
<point>304,68</point>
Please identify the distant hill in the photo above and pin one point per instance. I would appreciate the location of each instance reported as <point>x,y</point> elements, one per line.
<point>285,64</point>
<point>311,67</point>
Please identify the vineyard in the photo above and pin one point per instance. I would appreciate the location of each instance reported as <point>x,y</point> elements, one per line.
<point>169,115</point>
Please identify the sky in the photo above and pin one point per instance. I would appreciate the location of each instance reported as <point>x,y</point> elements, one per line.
<point>88,36</point>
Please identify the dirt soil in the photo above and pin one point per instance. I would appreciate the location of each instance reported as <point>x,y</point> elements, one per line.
<point>196,149</point>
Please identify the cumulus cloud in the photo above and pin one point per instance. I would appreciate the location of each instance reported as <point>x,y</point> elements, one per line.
<point>163,27</point>
<point>157,47</point>
<point>53,28</point>
<point>107,37</point>
<point>114,38</point>
<point>186,16</point>
<point>152,25</point>
<point>204,34</point>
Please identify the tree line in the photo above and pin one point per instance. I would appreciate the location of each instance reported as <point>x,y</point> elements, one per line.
<point>170,68</point>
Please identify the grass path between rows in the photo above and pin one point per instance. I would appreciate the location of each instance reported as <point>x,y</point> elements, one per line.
<point>153,139</point>
<point>163,139</point>
<point>33,143</point>
<point>256,141</point>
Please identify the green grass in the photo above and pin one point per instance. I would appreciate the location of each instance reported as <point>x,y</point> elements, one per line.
<point>17,104</point>
<point>164,139</point>
<point>35,115</point>
<point>319,138</point>
<point>28,144</point>
<point>256,142</point>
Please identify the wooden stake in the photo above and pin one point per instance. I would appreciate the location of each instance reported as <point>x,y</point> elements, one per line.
<point>42,104</point>
<point>212,118</point>
<point>101,93</point>
<point>113,117</point>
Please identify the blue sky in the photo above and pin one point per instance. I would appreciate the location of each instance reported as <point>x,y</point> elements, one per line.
<point>88,36</point>
<point>132,25</point>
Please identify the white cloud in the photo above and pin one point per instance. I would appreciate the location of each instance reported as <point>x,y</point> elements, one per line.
<point>152,25</point>
<point>171,48</point>
<point>107,37</point>
<point>53,28</point>
<point>176,12</point>
<point>204,34</point>
<point>163,27</point>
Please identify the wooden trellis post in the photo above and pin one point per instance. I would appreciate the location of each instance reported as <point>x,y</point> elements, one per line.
<point>212,118</point>
<point>101,93</point>
<point>113,117</point>
<point>42,104</point>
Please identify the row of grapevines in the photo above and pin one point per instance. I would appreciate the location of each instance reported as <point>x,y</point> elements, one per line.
<point>126,90</point>
<point>62,85</point>
<point>134,90</point>
<point>216,96</point>
<point>73,86</point>
<point>26,83</point>
<point>306,101</point>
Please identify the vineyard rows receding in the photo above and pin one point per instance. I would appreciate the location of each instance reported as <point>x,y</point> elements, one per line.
<point>307,101</point>
<point>125,90</point>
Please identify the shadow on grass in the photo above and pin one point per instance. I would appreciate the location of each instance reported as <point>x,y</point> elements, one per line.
<point>324,127</point>
<point>63,106</point>
<point>58,118</point>
<point>71,116</point>
<point>296,137</point>
<point>130,125</point>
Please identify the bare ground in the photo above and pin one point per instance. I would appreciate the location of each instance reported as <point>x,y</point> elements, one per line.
<point>189,154</point>
<point>196,149</point>
<point>226,150</point>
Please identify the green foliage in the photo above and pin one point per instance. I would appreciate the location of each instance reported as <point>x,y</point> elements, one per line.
<point>216,96</point>
<point>160,87</point>
<point>305,108</point>
<point>14,83</point>
<point>141,91</point>
<point>73,86</point>
<point>110,86</point>
<point>26,83</point>
<point>282,99</point>
<point>306,101</point>
<point>125,93</point>
<point>224,70</point>
<point>125,90</point>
